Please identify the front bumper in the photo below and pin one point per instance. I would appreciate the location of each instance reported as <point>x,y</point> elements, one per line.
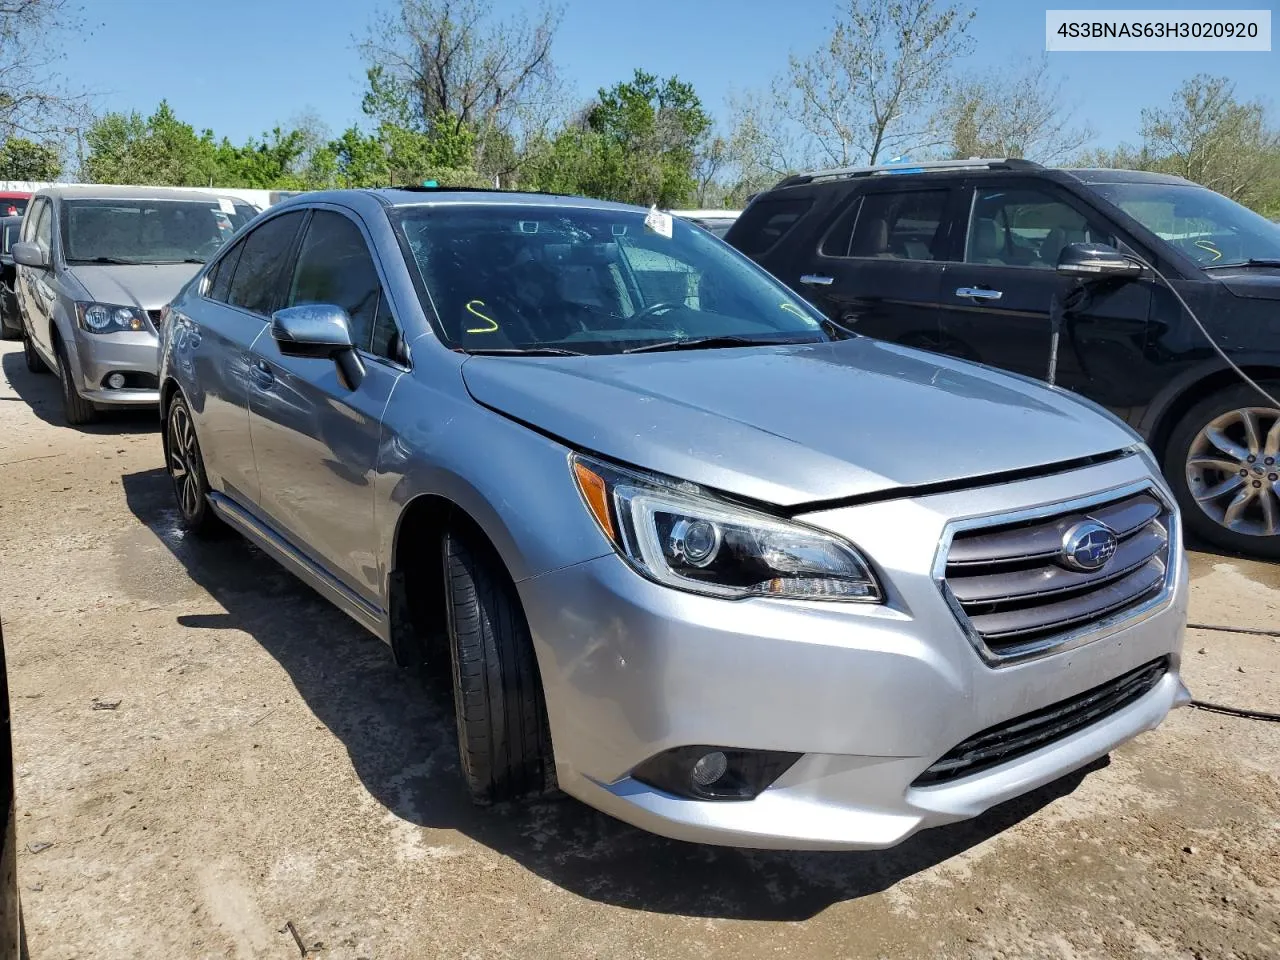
<point>99,355</point>
<point>870,695</point>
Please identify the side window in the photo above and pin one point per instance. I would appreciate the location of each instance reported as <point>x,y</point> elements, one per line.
<point>43,234</point>
<point>256,279</point>
<point>839,238</point>
<point>1024,227</point>
<point>900,226</point>
<point>765,222</point>
<point>29,221</point>
<point>334,266</point>
<point>223,271</point>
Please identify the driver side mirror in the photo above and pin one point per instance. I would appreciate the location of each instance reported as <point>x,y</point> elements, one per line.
<point>31,255</point>
<point>320,331</point>
<point>1095,261</point>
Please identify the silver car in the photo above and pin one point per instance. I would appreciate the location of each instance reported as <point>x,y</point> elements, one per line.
<point>95,267</point>
<point>689,552</point>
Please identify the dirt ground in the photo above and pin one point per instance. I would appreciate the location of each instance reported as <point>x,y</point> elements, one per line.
<point>268,766</point>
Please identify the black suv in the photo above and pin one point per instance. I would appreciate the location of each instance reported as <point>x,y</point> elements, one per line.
<point>966,257</point>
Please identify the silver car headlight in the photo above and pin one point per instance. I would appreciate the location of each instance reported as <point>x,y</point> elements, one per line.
<point>683,537</point>
<point>109,318</point>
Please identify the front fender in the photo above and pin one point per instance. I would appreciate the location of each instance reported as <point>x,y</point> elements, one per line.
<point>514,483</point>
<point>1211,367</point>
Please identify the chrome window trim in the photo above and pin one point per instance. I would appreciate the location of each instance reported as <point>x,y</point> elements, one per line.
<point>1078,636</point>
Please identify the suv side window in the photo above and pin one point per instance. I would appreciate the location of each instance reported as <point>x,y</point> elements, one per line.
<point>905,225</point>
<point>219,284</point>
<point>335,267</point>
<point>263,252</point>
<point>1024,227</point>
<point>29,221</point>
<point>43,232</point>
<point>767,221</point>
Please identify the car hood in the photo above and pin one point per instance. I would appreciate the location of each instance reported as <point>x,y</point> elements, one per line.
<point>791,425</point>
<point>146,285</point>
<point>1252,283</point>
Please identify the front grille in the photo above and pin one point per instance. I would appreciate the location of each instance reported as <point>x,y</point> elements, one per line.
<point>1018,592</point>
<point>1015,738</point>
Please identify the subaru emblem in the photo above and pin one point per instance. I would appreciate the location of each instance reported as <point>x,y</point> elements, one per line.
<point>1088,546</point>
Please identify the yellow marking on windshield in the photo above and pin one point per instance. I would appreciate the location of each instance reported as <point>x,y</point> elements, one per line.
<point>471,309</point>
<point>792,308</point>
<point>1208,245</point>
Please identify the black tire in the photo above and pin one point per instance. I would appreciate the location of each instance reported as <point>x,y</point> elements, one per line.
<point>503,738</point>
<point>1175,460</point>
<point>34,363</point>
<point>185,465</point>
<point>8,332</point>
<point>75,408</point>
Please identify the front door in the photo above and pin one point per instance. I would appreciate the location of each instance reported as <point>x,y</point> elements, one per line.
<point>997,296</point>
<point>315,440</point>
<point>878,269</point>
<point>35,284</point>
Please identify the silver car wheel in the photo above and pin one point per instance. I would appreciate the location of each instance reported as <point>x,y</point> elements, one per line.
<point>183,460</point>
<point>1233,473</point>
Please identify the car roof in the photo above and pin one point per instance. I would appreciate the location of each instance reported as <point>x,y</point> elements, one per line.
<point>14,194</point>
<point>89,191</point>
<point>1105,175</point>
<point>432,196</point>
<point>707,214</point>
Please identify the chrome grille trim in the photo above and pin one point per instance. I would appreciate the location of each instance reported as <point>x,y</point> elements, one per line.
<point>1056,609</point>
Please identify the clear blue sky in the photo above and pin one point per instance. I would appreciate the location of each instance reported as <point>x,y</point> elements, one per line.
<point>242,66</point>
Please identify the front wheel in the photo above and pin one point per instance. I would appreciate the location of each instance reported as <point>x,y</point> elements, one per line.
<point>503,739</point>
<point>1223,462</point>
<point>186,470</point>
<point>75,408</point>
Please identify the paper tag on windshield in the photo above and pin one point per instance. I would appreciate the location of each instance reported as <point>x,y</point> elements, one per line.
<point>658,222</point>
<point>226,206</point>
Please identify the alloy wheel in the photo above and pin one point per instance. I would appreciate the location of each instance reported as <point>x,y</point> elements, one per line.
<point>184,460</point>
<point>1233,470</point>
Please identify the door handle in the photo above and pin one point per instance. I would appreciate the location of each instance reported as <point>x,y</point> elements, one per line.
<point>261,373</point>
<point>814,280</point>
<point>977,293</point>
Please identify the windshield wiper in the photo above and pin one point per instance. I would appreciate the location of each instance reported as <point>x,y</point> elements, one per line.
<point>1251,262</point>
<point>526,352</point>
<point>698,343</point>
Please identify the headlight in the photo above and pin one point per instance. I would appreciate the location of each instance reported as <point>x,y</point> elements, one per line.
<point>681,536</point>
<point>109,318</point>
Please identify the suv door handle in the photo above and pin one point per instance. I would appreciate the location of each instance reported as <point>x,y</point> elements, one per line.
<point>261,373</point>
<point>814,280</point>
<point>978,293</point>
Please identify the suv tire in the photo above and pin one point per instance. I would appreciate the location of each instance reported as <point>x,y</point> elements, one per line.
<point>1189,459</point>
<point>504,742</point>
<point>75,408</point>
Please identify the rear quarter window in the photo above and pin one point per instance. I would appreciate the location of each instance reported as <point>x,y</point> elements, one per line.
<point>764,223</point>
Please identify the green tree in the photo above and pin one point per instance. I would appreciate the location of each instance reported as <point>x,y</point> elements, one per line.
<point>159,149</point>
<point>22,159</point>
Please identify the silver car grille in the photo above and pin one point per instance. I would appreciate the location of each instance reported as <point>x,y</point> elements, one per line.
<point>1015,589</point>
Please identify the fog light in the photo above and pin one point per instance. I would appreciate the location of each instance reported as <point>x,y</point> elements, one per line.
<point>115,381</point>
<point>714,773</point>
<point>710,769</point>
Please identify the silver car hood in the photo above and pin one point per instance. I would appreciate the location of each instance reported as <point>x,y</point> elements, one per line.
<point>796,424</point>
<point>146,285</point>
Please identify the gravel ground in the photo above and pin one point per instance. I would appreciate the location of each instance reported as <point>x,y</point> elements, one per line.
<point>268,766</point>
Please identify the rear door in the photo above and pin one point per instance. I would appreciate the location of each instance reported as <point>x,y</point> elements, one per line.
<point>997,297</point>
<point>878,269</point>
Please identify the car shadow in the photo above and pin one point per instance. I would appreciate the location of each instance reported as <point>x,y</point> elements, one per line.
<point>398,731</point>
<point>42,393</point>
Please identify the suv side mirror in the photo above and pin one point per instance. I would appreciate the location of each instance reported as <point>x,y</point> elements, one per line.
<point>31,255</point>
<point>320,331</point>
<point>1094,261</point>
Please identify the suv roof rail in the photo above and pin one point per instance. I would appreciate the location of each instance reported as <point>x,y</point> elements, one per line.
<point>908,166</point>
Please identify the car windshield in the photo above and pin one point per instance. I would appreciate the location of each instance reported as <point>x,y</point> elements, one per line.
<point>1206,226</point>
<point>517,278</point>
<point>147,231</point>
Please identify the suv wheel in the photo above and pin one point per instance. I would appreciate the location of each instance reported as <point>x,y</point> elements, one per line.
<point>503,738</point>
<point>34,363</point>
<point>186,470</point>
<point>75,408</point>
<point>1223,462</point>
